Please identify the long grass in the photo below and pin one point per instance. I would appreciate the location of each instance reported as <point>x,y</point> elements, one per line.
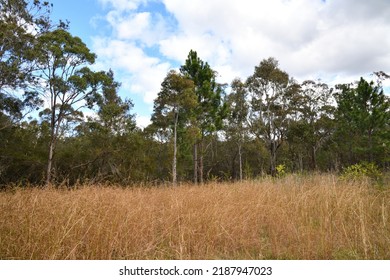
<point>296,217</point>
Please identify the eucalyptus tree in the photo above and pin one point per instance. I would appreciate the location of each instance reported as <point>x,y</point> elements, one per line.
<point>210,109</point>
<point>173,108</point>
<point>236,127</point>
<point>68,85</point>
<point>103,142</point>
<point>20,22</point>
<point>271,93</point>
<point>316,117</point>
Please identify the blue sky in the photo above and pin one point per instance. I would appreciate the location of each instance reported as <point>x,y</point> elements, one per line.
<point>141,40</point>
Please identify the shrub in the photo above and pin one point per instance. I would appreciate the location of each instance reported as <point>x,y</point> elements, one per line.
<point>361,171</point>
<point>281,170</point>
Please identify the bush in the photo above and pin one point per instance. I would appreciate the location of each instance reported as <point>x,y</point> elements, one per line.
<point>361,171</point>
<point>281,170</point>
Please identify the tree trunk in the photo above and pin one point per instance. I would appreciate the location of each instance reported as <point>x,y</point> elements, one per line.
<point>314,158</point>
<point>233,168</point>
<point>300,162</point>
<point>53,134</point>
<point>201,163</point>
<point>273,159</point>
<point>174,162</point>
<point>49,163</point>
<point>240,160</point>
<point>370,152</point>
<point>195,158</point>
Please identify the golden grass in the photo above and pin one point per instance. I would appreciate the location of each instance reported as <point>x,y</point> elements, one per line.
<point>292,218</point>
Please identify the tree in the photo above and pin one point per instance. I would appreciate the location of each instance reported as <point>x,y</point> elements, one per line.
<point>363,113</point>
<point>101,147</point>
<point>173,107</point>
<point>313,125</point>
<point>236,123</point>
<point>210,110</point>
<point>113,113</point>
<point>271,90</point>
<point>20,23</point>
<point>68,83</point>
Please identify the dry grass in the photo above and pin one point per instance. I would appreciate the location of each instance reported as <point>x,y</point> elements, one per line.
<point>291,218</point>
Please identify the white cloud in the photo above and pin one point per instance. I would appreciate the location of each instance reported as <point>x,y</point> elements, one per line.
<point>129,28</point>
<point>142,121</point>
<point>143,27</point>
<point>144,73</point>
<point>123,5</point>
<point>306,36</point>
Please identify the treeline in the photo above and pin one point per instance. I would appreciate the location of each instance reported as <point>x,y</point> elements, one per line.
<point>63,123</point>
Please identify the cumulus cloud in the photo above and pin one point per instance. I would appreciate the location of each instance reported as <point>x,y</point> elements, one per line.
<point>306,36</point>
<point>144,27</point>
<point>142,72</point>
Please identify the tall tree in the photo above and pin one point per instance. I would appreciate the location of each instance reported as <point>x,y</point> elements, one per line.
<point>271,90</point>
<point>314,123</point>
<point>236,122</point>
<point>173,107</point>
<point>103,142</point>
<point>210,110</point>
<point>67,82</point>
<point>364,110</point>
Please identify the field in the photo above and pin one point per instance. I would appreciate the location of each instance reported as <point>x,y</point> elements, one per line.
<point>316,217</point>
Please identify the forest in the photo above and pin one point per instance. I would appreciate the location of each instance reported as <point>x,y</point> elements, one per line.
<point>62,123</point>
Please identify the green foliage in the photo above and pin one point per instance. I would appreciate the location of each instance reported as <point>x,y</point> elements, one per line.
<point>175,102</point>
<point>281,170</point>
<point>361,171</point>
<point>313,124</point>
<point>17,58</point>
<point>210,110</point>
<point>363,116</point>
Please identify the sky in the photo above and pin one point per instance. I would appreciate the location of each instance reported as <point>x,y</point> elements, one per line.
<point>336,41</point>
